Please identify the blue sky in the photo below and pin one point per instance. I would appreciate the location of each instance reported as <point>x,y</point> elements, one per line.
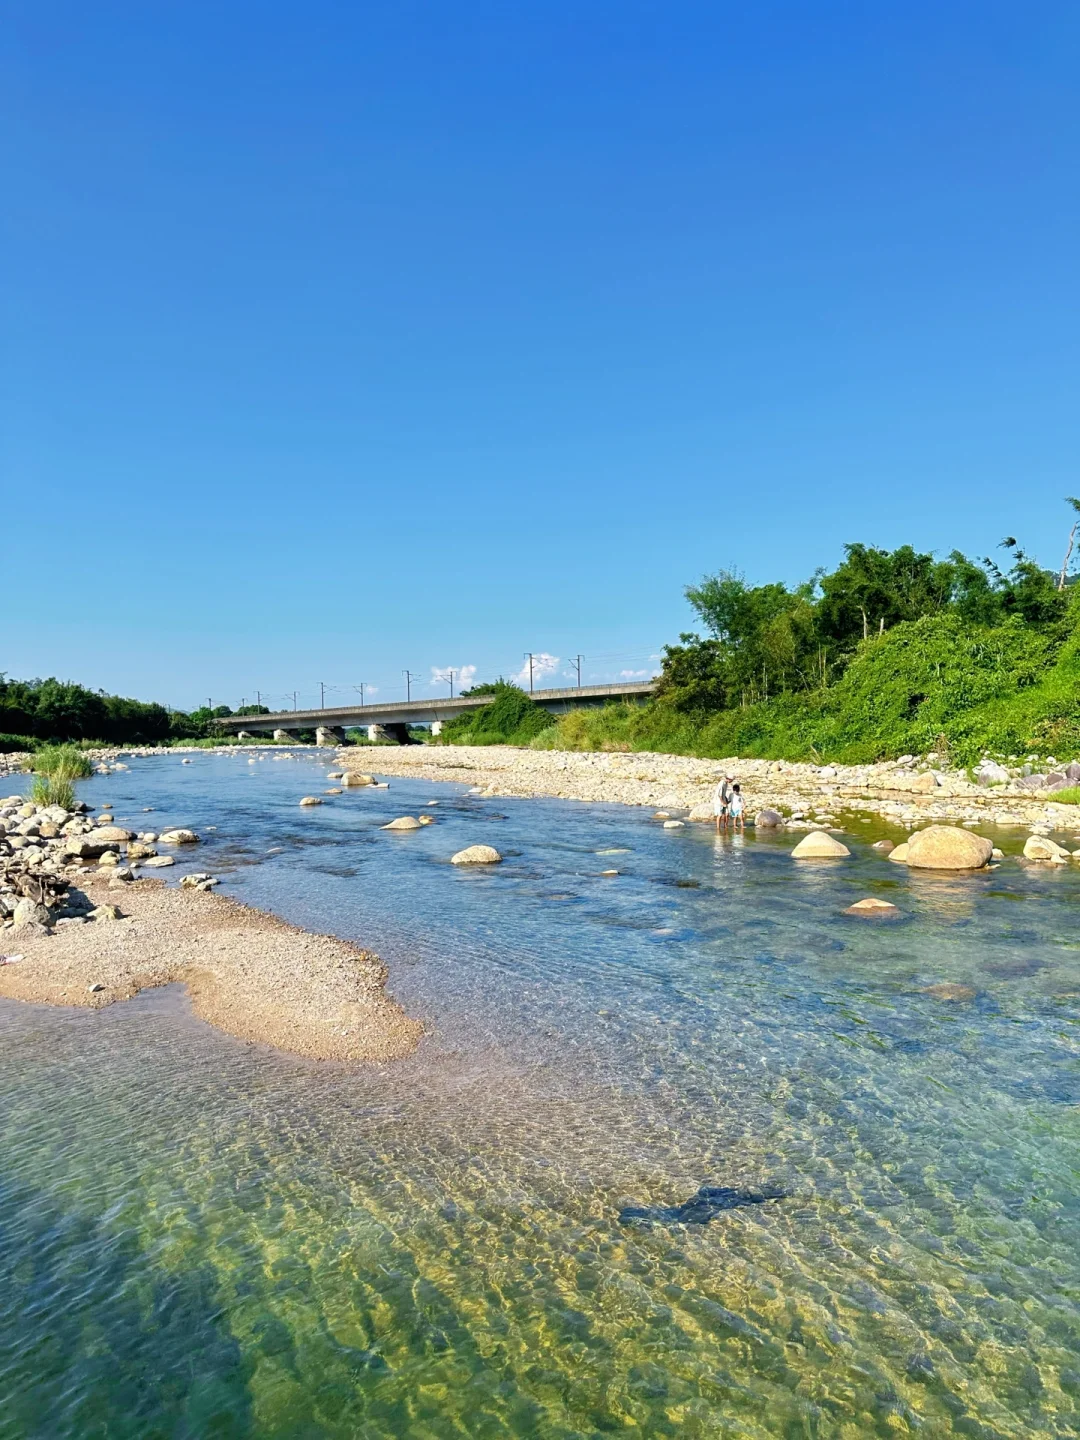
<point>344,338</point>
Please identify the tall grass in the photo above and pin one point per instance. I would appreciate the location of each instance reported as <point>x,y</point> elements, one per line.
<point>62,762</point>
<point>47,790</point>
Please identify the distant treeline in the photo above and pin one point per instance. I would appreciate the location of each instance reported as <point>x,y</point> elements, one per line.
<point>33,712</point>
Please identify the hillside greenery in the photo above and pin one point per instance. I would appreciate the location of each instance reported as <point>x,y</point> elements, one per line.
<point>893,652</point>
<point>511,718</point>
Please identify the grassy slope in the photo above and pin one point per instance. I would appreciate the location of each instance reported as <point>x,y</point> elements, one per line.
<point>1008,689</point>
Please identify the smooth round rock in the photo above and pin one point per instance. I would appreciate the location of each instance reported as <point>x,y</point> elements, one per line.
<point>947,847</point>
<point>179,837</point>
<point>768,819</point>
<point>403,822</point>
<point>899,853</point>
<point>477,855</point>
<point>873,908</point>
<point>819,846</point>
<point>307,800</point>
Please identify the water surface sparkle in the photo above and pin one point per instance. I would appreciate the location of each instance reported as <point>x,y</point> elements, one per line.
<point>202,1238</point>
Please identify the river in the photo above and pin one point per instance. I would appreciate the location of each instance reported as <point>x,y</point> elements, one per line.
<point>204,1238</point>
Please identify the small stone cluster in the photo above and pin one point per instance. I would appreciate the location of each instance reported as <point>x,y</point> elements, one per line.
<point>44,847</point>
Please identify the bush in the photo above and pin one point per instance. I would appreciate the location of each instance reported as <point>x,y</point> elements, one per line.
<point>16,744</point>
<point>47,790</point>
<point>62,762</point>
<point>510,719</point>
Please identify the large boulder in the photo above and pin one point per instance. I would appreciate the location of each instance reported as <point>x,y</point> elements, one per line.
<point>1072,772</point>
<point>1041,847</point>
<point>947,847</point>
<point>768,819</point>
<point>112,832</point>
<point>352,778</point>
<point>477,855</point>
<point>178,837</point>
<point>702,813</point>
<point>991,773</point>
<point>819,846</point>
<point>899,853</point>
<point>88,847</point>
<point>925,784</point>
<point>307,800</point>
<point>29,912</point>
<point>403,822</point>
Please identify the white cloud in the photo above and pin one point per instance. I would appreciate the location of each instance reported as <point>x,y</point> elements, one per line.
<point>464,675</point>
<point>542,664</point>
<point>633,674</point>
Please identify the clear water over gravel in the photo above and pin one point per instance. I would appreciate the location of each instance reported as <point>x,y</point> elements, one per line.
<point>201,1238</point>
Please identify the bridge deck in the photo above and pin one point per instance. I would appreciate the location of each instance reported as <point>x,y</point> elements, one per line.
<point>423,712</point>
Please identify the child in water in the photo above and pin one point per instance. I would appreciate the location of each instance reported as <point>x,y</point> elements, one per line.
<point>738,808</point>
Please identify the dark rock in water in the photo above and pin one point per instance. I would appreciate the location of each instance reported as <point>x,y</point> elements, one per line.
<point>710,1201</point>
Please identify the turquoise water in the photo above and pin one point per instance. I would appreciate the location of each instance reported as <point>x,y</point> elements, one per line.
<point>203,1238</point>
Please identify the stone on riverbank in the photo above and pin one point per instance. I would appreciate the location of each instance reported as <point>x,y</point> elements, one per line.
<point>477,855</point>
<point>403,822</point>
<point>819,846</point>
<point>768,819</point>
<point>353,778</point>
<point>947,847</point>
<point>158,862</point>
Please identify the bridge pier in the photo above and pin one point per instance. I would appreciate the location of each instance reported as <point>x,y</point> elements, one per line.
<point>329,735</point>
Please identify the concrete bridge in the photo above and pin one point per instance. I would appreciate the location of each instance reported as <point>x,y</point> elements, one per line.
<point>392,718</point>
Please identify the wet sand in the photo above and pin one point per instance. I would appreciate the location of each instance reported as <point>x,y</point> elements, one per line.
<point>248,973</point>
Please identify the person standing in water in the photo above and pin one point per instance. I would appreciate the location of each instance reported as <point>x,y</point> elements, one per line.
<point>738,810</point>
<point>722,802</point>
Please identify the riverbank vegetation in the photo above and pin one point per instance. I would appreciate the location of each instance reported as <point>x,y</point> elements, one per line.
<point>511,718</point>
<point>892,652</point>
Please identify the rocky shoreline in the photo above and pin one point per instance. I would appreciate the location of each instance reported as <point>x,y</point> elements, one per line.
<point>77,927</point>
<point>903,793</point>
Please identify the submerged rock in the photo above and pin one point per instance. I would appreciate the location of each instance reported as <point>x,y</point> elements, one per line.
<point>710,1201</point>
<point>768,819</point>
<point>403,822</point>
<point>872,906</point>
<point>819,846</point>
<point>307,800</point>
<point>950,991</point>
<point>178,837</point>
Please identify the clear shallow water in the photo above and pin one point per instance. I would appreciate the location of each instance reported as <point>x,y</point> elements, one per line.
<point>203,1238</point>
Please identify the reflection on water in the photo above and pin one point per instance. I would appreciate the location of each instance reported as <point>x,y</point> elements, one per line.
<point>201,1238</point>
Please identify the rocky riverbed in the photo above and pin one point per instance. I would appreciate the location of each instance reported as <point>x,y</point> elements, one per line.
<point>79,927</point>
<point>905,792</point>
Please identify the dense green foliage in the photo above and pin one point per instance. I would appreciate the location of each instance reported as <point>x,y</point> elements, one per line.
<point>15,744</point>
<point>59,710</point>
<point>511,719</point>
<point>892,653</point>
